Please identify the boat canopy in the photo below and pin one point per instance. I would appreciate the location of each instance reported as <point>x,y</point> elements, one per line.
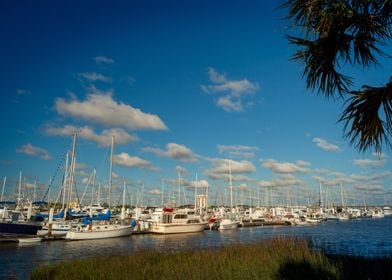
<point>99,217</point>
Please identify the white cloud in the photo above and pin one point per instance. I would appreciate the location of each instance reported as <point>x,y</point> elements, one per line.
<point>103,139</point>
<point>232,92</point>
<point>325,145</point>
<point>285,167</point>
<point>94,77</point>
<point>229,104</point>
<point>155,192</point>
<point>238,150</point>
<point>200,184</point>
<point>374,189</point>
<point>370,163</point>
<point>174,151</point>
<point>29,149</point>
<point>102,109</point>
<point>22,92</point>
<point>362,178</point>
<point>124,159</point>
<point>101,60</point>
<point>282,181</point>
<point>220,169</point>
<point>181,170</point>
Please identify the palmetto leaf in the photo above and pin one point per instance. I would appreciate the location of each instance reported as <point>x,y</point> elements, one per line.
<point>337,32</point>
<point>319,57</point>
<point>363,125</point>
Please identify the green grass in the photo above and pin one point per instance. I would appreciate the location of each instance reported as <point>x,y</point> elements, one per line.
<point>281,258</point>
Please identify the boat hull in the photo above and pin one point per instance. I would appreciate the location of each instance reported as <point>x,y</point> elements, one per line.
<point>100,232</point>
<point>173,228</point>
<point>228,224</point>
<point>58,229</point>
<point>29,240</point>
<point>20,228</point>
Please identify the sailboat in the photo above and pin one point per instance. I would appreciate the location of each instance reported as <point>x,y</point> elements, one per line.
<point>229,220</point>
<point>101,227</point>
<point>57,225</point>
<point>14,221</point>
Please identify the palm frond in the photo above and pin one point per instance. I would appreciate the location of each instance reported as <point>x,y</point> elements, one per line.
<point>319,58</point>
<point>337,32</point>
<point>364,127</point>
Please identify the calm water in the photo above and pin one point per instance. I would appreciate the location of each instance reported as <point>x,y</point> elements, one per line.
<point>367,237</point>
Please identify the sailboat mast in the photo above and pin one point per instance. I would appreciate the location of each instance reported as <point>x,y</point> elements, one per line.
<point>20,187</point>
<point>65,179</point>
<point>73,162</point>
<point>231,187</point>
<point>162,188</point>
<point>2,191</point>
<point>341,193</point>
<point>196,193</point>
<point>123,198</point>
<point>320,194</point>
<point>110,173</point>
<point>93,187</point>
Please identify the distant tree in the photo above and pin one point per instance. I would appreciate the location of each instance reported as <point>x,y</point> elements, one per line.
<point>334,33</point>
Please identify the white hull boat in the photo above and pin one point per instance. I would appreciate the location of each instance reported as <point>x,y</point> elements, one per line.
<point>28,240</point>
<point>58,229</point>
<point>177,228</point>
<point>99,231</point>
<point>228,224</point>
<point>164,221</point>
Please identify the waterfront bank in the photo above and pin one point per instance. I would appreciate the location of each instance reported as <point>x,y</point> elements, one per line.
<point>279,258</point>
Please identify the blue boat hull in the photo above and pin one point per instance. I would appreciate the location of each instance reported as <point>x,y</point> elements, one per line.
<point>20,228</point>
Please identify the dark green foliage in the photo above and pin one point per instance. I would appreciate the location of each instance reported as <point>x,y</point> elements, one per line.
<point>336,33</point>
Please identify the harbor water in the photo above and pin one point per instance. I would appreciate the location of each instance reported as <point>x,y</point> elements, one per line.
<point>365,237</point>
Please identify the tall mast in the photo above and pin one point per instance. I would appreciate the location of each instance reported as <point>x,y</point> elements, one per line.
<point>65,179</point>
<point>207,197</point>
<point>110,173</point>
<point>2,191</point>
<point>341,193</point>
<point>20,187</point>
<point>73,163</point>
<point>231,187</point>
<point>92,189</point>
<point>196,193</point>
<point>35,186</point>
<point>162,187</point>
<point>320,194</point>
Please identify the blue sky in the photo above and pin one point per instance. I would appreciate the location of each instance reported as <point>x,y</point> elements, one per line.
<point>184,86</point>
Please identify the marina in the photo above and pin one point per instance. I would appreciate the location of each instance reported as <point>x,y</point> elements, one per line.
<point>365,237</point>
<point>138,126</point>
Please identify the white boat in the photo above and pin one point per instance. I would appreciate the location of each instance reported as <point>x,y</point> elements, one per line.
<point>228,224</point>
<point>164,221</point>
<point>377,213</point>
<point>30,240</point>
<point>387,210</point>
<point>98,231</point>
<point>56,229</point>
<point>313,220</point>
<point>332,217</point>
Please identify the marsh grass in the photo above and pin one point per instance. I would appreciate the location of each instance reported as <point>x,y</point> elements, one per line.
<point>281,258</point>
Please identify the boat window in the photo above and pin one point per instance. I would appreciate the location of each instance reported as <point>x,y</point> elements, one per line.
<point>167,219</point>
<point>180,216</point>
